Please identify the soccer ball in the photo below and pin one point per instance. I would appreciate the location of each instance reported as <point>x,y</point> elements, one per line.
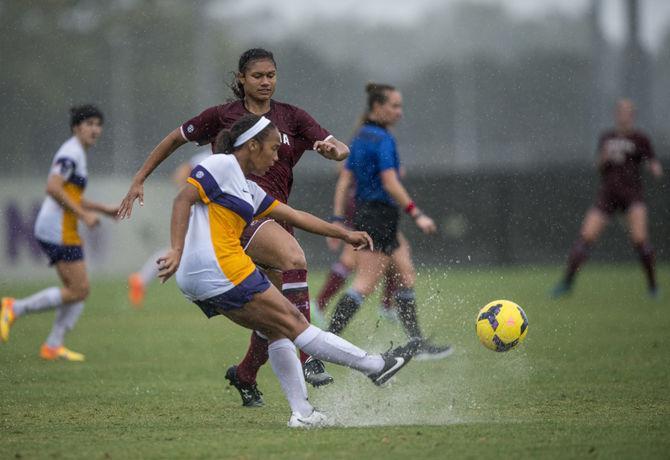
<point>501,325</point>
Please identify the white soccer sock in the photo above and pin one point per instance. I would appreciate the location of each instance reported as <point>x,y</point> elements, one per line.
<point>40,301</point>
<point>66,318</point>
<point>288,370</point>
<point>149,271</point>
<point>329,347</point>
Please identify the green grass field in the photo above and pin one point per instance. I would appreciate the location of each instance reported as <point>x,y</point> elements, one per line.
<point>592,379</point>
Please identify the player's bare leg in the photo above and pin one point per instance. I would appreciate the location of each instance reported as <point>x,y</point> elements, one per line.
<point>275,317</point>
<point>637,219</point>
<point>405,298</point>
<point>593,225</point>
<point>277,250</point>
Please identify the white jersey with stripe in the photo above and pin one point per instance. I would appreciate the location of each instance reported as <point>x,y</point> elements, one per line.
<point>55,224</point>
<point>213,260</point>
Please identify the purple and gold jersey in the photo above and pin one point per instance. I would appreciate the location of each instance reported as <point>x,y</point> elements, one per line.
<point>55,224</point>
<point>298,132</point>
<point>623,154</point>
<point>213,261</point>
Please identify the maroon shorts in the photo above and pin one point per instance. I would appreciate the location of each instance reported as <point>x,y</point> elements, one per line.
<point>254,226</point>
<point>610,201</point>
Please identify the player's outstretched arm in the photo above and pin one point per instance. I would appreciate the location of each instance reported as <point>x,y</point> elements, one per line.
<point>312,224</point>
<point>181,210</point>
<point>164,149</point>
<point>332,149</point>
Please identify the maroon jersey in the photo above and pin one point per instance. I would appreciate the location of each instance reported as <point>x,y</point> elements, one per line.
<point>623,155</point>
<point>298,132</point>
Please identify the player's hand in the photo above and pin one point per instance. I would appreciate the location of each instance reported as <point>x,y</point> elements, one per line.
<point>326,148</point>
<point>91,219</point>
<point>426,224</point>
<point>359,240</point>
<point>168,264</point>
<point>136,192</point>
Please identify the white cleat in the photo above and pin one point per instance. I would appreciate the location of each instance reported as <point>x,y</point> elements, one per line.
<point>315,420</point>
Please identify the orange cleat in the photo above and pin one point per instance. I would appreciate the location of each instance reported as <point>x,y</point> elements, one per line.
<point>52,354</point>
<point>136,290</point>
<point>7,317</point>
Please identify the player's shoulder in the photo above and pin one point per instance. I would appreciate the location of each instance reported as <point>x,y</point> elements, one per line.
<point>640,135</point>
<point>217,161</point>
<point>71,149</point>
<point>373,132</point>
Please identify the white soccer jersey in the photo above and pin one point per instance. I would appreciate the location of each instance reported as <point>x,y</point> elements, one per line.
<point>54,224</point>
<point>213,261</point>
<point>199,158</point>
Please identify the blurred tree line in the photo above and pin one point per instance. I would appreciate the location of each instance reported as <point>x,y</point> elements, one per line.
<point>482,90</point>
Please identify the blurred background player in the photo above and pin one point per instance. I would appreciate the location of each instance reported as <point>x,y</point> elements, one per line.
<point>346,263</point>
<point>620,152</point>
<point>270,244</point>
<point>213,271</point>
<point>374,165</point>
<point>57,233</point>
<point>139,280</point>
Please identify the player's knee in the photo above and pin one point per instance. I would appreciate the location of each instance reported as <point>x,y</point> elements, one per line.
<point>80,292</point>
<point>294,260</point>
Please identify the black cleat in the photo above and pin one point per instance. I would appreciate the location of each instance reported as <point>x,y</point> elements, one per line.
<point>251,395</point>
<point>315,373</point>
<point>428,351</point>
<point>394,360</point>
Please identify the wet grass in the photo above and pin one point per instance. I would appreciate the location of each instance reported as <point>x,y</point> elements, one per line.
<point>591,381</point>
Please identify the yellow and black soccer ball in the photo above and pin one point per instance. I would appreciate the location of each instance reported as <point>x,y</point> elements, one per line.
<point>501,325</point>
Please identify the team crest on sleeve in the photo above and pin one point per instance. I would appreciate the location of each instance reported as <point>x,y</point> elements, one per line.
<point>199,175</point>
<point>190,129</point>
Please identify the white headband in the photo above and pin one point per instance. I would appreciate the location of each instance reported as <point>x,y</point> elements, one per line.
<point>251,132</point>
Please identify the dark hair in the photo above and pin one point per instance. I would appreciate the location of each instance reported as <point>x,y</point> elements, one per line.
<point>226,138</point>
<point>254,54</point>
<point>79,113</point>
<point>378,93</point>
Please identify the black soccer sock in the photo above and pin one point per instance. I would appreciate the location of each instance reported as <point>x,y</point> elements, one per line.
<point>648,259</point>
<point>406,304</point>
<point>346,308</point>
<point>578,255</point>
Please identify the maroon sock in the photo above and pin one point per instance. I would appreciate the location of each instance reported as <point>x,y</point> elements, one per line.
<point>578,255</point>
<point>648,259</point>
<point>294,288</point>
<point>390,288</point>
<point>336,278</point>
<point>257,355</point>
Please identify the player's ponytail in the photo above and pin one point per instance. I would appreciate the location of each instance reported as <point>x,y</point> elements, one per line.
<point>254,54</point>
<point>225,140</point>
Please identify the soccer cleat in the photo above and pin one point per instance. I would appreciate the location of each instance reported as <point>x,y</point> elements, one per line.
<point>136,290</point>
<point>394,360</point>
<point>251,395</point>
<point>7,317</point>
<point>315,420</point>
<point>428,351</point>
<point>562,289</point>
<point>315,373</point>
<point>52,354</point>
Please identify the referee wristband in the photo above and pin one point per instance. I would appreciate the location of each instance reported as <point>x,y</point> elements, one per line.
<point>335,218</point>
<point>410,207</point>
